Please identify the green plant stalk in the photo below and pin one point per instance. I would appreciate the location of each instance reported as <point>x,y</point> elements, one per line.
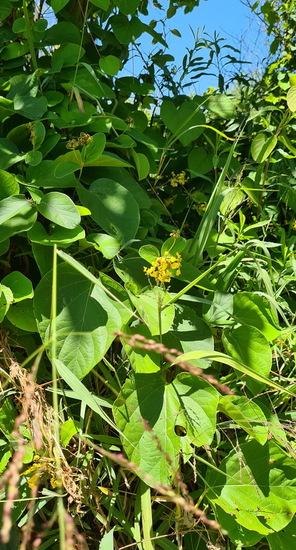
<point>147,523</point>
<point>136,529</point>
<point>55,401</point>
<point>193,283</point>
<point>202,234</point>
<point>29,33</point>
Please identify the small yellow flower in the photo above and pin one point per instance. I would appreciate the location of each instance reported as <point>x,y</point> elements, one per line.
<point>175,234</point>
<point>178,179</point>
<point>294,225</point>
<point>200,207</point>
<point>161,269</point>
<point>168,201</point>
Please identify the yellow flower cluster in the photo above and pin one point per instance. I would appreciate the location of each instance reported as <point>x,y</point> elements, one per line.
<point>161,269</point>
<point>178,179</point>
<point>47,468</point>
<point>84,139</point>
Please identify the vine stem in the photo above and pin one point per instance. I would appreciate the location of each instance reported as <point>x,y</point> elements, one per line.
<point>29,33</point>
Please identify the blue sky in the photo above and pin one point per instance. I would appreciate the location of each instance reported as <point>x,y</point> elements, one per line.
<point>231,19</point>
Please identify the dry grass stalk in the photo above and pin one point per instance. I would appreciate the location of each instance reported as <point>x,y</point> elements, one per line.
<point>170,355</point>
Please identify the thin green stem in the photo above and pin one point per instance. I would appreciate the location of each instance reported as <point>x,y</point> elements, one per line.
<point>147,522</point>
<point>193,283</point>
<point>55,401</point>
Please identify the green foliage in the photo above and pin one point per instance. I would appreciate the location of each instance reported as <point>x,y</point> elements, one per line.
<point>157,351</point>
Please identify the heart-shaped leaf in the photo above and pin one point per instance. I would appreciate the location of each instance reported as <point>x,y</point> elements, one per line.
<point>184,122</point>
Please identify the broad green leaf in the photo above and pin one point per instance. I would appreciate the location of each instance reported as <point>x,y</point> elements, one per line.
<point>33,158</point>
<point>126,30</point>
<point>8,415</point>
<point>21,315</point>
<point>67,54</point>
<point>149,305</point>
<point>125,179</point>
<point>149,253</point>
<point>127,6</point>
<point>188,402</point>
<point>247,414</point>
<point>40,25</point>
<point>262,146</point>
<point>20,286</point>
<point>291,99</point>
<point>249,346</point>
<point>8,185</point>
<point>5,9</point>
<point>110,65</point>
<point>82,340</point>
<point>146,397</point>
<point>238,534</point>
<point>120,295</point>
<point>53,97</point>
<point>11,206</point>
<point>58,5</point>
<point>58,235</point>
<point>20,222</point>
<point>190,332</point>
<point>199,162</point>
<point>62,33</point>
<point>43,175</point>
<point>231,201</point>
<point>103,4</point>
<point>198,407</point>
<point>252,309</point>
<point>252,188</point>
<point>83,211</point>
<point>142,360</point>
<point>184,122</point>
<point>221,105</point>
<point>60,209</point>
<point>109,159</point>
<point>107,540</point>
<point>113,289</point>
<point>112,207</point>
<point>219,310</point>
<point>9,154</point>
<point>32,108</point>
<point>285,539</point>
<point>68,163</point>
<point>106,244</point>
<point>68,429</point>
<point>142,164</point>
<point>173,245</point>
<point>257,485</point>
<point>88,83</point>
<point>5,454</point>
<point>130,269</point>
<point>14,50</point>
<point>94,150</point>
<point>6,298</point>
